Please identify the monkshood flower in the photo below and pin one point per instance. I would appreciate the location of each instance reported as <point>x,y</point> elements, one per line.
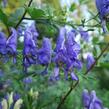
<point>60,40</point>
<point>91,101</point>
<point>11,44</point>
<point>27,80</point>
<point>84,34</point>
<point>2,43</point>
<point>90,60</point>
<point>55,74</point>
<point>11,101</point>
<point>34,31</point>
<point>66,53</point>
<point>103,9</point>
<point>30,50</point>
<point>44,53</point>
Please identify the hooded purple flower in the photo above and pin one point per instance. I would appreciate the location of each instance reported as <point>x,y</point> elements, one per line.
<point>11,44</point>
<point>27,80</point>
<point>86,98</point>
<point>103,9</point>
<point>2,43</point>
<point>84,34</point>
<point>90,60</point>
<point>55,75</point>
<point>34,31</point>
<point>44,53</point>
<point>30,50</point>
<point>74,76</point>
<point>91,101</point>
<point>66,52</point>
<point>60,40</point>
<point>73,49</point>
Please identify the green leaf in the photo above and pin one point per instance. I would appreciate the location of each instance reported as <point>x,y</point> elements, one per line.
<point>36,13</point>
<point>73,7</point>
<point>104,65</point>
<point>3,17</point>
<point>15,17</point>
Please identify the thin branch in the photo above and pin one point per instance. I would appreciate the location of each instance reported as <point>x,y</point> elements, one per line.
<point>29,4</point>
<point>102,52</point>
<point>67,94</point>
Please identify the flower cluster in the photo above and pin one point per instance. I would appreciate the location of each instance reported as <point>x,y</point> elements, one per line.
<point>91,101</point>
<point>9,46</point>
<point>65,56</point>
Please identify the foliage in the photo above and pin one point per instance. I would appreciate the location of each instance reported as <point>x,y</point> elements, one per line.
<point>27,78</point>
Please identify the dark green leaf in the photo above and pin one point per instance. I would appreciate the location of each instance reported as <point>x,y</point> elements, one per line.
<point>73,7</point>
<point>15,17</point>
<point>36,13</point>
<point>3,17</point>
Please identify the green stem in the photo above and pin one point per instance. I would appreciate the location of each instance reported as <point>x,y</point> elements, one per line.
<point>67,94</point>
<point>29,4</point>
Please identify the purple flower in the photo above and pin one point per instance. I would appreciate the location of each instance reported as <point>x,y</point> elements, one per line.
<point>11,44</point>
<point>91,101</point>
<point>74,76</point>
<point>27,80</point>
<point>84,34</point>
<point>44,53</point>
<point>34,31</point>
<point>2,43</point>
<point>29,51</point>
<point>55,75</point>
<point>72,48</point>
<point>60,40</point>
<point>103,9</point>
<point>90,60</point>
<point>86,98</point>
<point>66,52</point>
<point>16,96</point>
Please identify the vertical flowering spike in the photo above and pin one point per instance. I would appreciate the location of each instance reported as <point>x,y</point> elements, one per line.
<point>90,60</point>
<point>44,53</point>
<point>11,44</point>
<point>34,31</point>
<point>74,76</point>
<point>60,40</point>
<point>72,47</point>
<point>30,50</point>
<point>86,98</point>
<point>2,43</point>
<point>66,52</point>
